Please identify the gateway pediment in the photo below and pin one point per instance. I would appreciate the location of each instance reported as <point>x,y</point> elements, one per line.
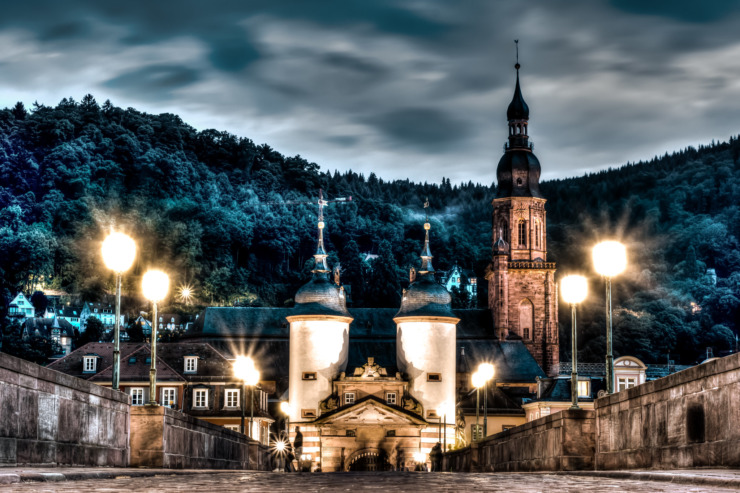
<point>370,412</point>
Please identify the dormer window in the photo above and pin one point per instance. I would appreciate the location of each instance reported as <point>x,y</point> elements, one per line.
<point>191,364</point>
<point>89,364</point>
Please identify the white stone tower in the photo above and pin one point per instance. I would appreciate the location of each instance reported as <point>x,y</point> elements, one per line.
<point>319,339</point>
<point>426,332</point>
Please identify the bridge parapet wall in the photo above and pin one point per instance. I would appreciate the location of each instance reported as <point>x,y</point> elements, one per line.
<point>688,419</point>
<point>163,437</point>
<point>48,418</point>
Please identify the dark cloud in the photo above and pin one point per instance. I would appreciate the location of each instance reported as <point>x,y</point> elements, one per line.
<point>421,127</point>
<point>366,85</point>
<point>154,77</point>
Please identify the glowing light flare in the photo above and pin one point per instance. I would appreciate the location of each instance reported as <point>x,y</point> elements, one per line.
<point>245,370</point>
<point>487,371</point>
<point>610,258</point>
<point>420,457</point>
<point>478,380</point>
<point>574,289</point>
<point>285,407</point>
<point>185,293</point>
<point>155,285</point>
<point>119,252</point>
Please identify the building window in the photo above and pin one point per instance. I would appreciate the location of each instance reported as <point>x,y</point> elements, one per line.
<point>434,377</point>
<point>89,364</point>
<point>309,375</point>
<point>526,317</point>
<point>624,383</point>
<point>525,333</point>
<point>523,233</point>
<point>233,427</point>
<point>432,414</point>
<point>169,396</point>
<point>390,433</point>
<point>476,432</point>
<point>505,229</point>
<point>232,398</point>
<point>308,413</point>
<point>191,364</point>
<point>137,397</point>
<point>349,398</point>
<point>390,398</point>
<point>507,427</point>
<point>200,398</point>
<point>584,388</point>
<point>351,433</point>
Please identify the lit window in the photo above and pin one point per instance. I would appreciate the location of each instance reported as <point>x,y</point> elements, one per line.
<point>390,398</point>
<point>137,397</point>
<point>89,364</point>
<point>526,333</point>
<point>233,427</point>
<point>349,398</point>
<point>200,398</point>
<point>434,377</point>
<point>169,396</point>
<point>309,375</point>
<point>191,364</point>
<point>232,398</point>
<point>584,389</point>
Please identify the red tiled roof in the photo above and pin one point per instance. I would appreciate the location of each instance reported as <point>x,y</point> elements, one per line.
<point>138,370</point>
<point>72,363</point>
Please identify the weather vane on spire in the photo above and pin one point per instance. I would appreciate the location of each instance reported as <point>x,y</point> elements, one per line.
<point>426,211</point>
<point>516,43</point>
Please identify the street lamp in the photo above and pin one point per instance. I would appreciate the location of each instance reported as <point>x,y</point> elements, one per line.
<point>118,251</point>
<point>486,371</point>
<point>285,408</point>
<point>574,289</point>
<point>610,259</point>
<point>478,382</point>
<point>245,371</point>
<point>155,285</point>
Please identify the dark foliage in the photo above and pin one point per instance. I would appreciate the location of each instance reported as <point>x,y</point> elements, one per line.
<point>212,209</point>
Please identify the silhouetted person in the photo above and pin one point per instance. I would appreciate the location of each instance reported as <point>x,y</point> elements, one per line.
<point>298,446</point>
<point>435,455</point>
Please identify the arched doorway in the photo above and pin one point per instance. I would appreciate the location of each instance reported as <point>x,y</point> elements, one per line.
<point>369,460</point>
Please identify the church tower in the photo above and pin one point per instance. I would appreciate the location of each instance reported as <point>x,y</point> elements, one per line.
<point>521,282</point>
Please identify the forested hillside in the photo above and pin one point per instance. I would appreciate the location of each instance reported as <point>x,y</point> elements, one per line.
<point>208,207</point>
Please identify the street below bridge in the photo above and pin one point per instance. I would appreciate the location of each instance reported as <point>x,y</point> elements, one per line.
<point>223,482</point>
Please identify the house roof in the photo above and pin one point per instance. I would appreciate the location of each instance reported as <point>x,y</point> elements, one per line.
<point>72,363</point>
<point>558,389</point>
<point>511,359</point>
<point>498,402</point>
<point>42,327</point>
<point>135,368</point>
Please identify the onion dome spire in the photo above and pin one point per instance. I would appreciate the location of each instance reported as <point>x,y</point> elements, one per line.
<point>320,265</point>
<point>426,297</point>
<point>518,172</point>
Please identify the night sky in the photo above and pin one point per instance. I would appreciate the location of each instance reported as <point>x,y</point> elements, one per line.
<point>405,89</point>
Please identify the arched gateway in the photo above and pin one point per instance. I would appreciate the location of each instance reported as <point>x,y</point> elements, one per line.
<point>369,460</point>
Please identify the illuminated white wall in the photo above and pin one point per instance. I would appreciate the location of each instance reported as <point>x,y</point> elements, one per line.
<point>315,346</point>
<point>428,347</point>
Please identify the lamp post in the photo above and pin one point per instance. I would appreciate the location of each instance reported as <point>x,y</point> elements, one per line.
<point>245,371</point>
<point>478,382</point>
<point>486,371</point>
<point>574,289</point>
<point>118,251</point>
<point>285,408</point>
<point>610,259</point>
<point>155,285</point>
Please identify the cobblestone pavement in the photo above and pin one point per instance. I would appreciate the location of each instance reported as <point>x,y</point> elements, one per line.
<point>357,482</point>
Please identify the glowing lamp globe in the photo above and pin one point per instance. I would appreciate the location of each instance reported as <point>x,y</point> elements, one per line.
<point>280,446</point>
<point>574,289</point>
<point>486,370</point>
<point>155,285</point>
<point>119,251</point>
<point>610,258</point>
<point>478,380</point>
<point>245,370</point>
<point>285,407</point>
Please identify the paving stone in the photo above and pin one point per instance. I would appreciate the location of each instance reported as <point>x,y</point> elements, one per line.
<point>357,482</point>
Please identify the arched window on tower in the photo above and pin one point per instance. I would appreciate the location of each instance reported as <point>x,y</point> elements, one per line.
<point>537,242</point>
<point>505,230</point>
<point>526,318</point>
<point>523,233</point>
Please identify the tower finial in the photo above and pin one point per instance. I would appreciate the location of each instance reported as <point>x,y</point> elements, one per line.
<point>320,255</point>
<point>516,42</point>
<point>426,253</point>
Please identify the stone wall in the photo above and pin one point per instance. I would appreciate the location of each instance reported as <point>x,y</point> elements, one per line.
<point>563,441</point>
<point>688,419</point>
<point>48,418</point>
<point>163,437</point>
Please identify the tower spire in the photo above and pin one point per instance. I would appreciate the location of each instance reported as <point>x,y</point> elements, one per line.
<point>426,252</point>
<point>320,265</point>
